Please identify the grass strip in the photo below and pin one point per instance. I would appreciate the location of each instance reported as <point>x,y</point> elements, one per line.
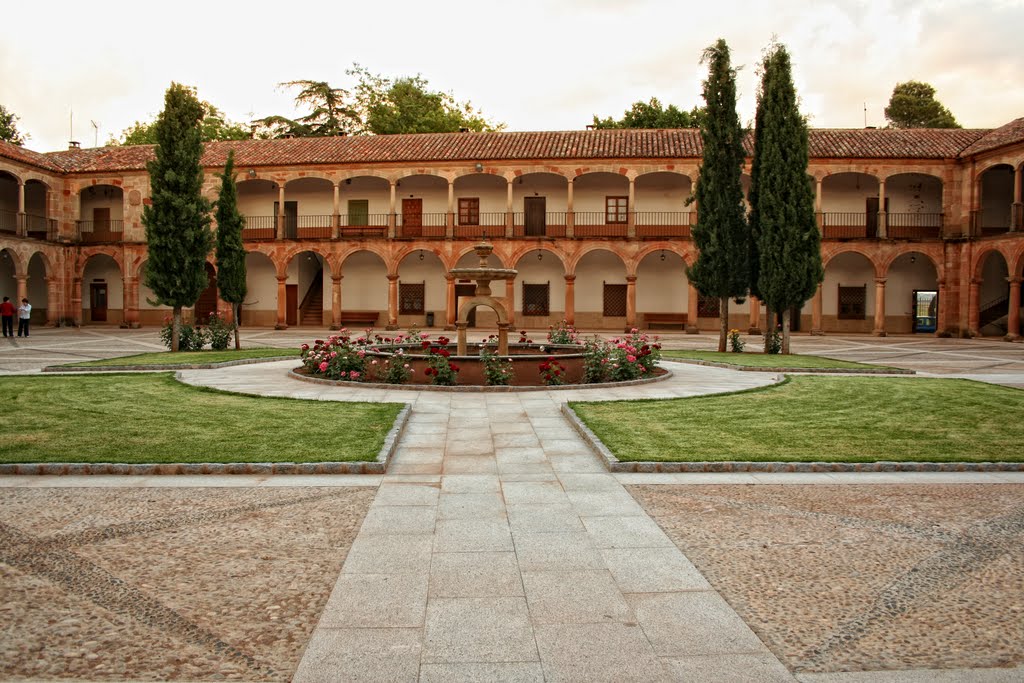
<point>817,418</point>
<point>153,418</point>
<point>184,358</point>
<point>788,361</point>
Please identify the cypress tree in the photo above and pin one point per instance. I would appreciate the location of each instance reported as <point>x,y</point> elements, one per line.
<point>230,252</point>
<point>789,244</point>
<point>178,219</point>
<point>721,233</point>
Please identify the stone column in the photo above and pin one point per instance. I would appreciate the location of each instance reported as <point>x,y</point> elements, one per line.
<point>973,308</point>
<point>509,214</point>
<point>879,330</point>
<point>336,217</point>
<point>131,302</point>
<point>817,203</point>
<point>940,323</point>
<point>392,303</point>
<point>570,216</point>
<point>755,316</point>
<point>450,307</point>
<point>280,214</point>
<point>449,221</point>
<point>691,310</point>
<point>1013,317</point>
<point>282,303</point>
<point>570,299</point>
<point>336,301</point>
<point>816,306</point>
<point>391,212</point>
<point>883,228</point>
<point>22,281</point>
<point>52,314</point>
<point>630,302</point>
<point>510,300</point>
<point>21,226</point>
<point>630,212</point>
<point>76,302</point>
<point>1017,215</point>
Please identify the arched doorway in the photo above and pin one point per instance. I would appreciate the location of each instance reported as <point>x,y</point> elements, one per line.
<point>422,289</point>
<point>996,205</point>
<point>101,213</point>
<point>480,201</point>
<point>539,202</point>
<point>37,289</point>
<point>662,290</point>
<point>102,291</point>
<point>848,294</point>
<point>993,295</point>
<point>308,290</point>
<point>849,206</point>
<point>260,306</point>
<point>912,295</point>
<point>364,301</point>
<point>601,290</point>
<point>422,206</point>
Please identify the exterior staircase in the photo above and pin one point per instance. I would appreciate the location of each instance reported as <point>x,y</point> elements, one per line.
<point>311,311</point>
<point>993,317</point>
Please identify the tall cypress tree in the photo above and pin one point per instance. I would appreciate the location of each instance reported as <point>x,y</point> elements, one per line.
<point>178,219</point>
<point>789,243</point>
<point>230,252</point>
<point>721,233</point>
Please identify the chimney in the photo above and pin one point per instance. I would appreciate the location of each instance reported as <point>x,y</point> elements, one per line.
<point>591,126</point>
<point>74,144</point>
<point>463,130</point>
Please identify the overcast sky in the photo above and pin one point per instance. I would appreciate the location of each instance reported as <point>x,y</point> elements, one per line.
<point>532,64</point>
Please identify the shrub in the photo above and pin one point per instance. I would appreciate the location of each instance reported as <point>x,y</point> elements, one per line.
<point>620,359</point>
<point>774,341</point>
<point>440,369</point>
<point>219,332</point>
<point>563,333</point>
<point>552,372</point>
<point>189,338</point>
<point>497,372</point>
<point>394,370</point>
<point>735,343</point>
<point>337,358</point>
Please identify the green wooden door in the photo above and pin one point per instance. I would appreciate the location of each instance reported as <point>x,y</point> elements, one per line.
<point>359,212</point>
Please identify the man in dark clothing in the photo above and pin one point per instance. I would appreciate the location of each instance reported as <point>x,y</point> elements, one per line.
<point>7,314</point>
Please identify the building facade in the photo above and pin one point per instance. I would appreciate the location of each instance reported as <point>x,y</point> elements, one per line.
<point>921,230</point>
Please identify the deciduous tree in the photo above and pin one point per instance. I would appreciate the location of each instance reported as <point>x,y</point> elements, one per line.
<point>178,218</point>
<point>9,127</point>
<point>230,252</point>
<point>721,233</point>
<point>652,114</point>
<point>214,126</point>
<point>789,268</point>
<point>913,105</point>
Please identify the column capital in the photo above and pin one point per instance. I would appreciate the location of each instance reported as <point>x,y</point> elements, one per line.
<point>337,278</point>
<point>21,278</point>
<point>281,279</point>
<point>569,279</point>
<point>630,279</point>
<point>1014,280</point>
<point>449,277</point>
<point>880,281</point>
<point>975,282</point>
<point>392,278</point>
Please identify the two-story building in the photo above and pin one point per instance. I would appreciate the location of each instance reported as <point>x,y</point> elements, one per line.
<point>921,229</point>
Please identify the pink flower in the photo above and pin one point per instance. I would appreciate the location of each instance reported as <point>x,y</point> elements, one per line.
<point>631,359</point>
<point>334,354</point>
<point>305,347</point>
<point>353,374</point>
<point>323,367</point>
<point>373,362</point>
<point>406,366</point>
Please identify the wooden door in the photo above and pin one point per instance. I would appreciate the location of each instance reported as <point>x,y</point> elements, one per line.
<point>359,212</point>
<point>291,304</point>
<point>291,218</point>
<point>461,291</point>
<point>412,217</point>
<point>535,215</point>
<point>98,302</point>
<point>871,207</point>
<point>101,221</point>
<point>207,302</point>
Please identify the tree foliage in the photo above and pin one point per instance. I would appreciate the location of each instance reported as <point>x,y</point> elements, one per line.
<point>652,114</point>
<point>375,105</point>
<point>214,126</point>
<point>721,233</point>
<point>178,218</point>
<point>913,105</point>
<point>9,127</point>
<point>788,248</point>
<point>230,252</point>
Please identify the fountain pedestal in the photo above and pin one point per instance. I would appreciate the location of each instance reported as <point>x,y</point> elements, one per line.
<point>482,275</point>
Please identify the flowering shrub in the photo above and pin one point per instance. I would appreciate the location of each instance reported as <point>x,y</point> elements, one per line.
<point>440,369</point>
<point>219,331</point>
<point>523,338</point>
<point>735,343</point>
<point>497,371</point>
<point>621,359</point>
<point>339,357</point>
<point>189,338</point>
<point>552,372</point>
<point>774,342</point>
<point>394,370</point>
<point>563,333</point>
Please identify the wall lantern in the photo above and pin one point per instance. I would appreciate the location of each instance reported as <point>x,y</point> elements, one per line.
<point>252,172</point>
<point>479,168</point>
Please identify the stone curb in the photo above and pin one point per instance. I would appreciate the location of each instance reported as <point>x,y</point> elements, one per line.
<point>155,368</point>
<point>811,371</point>
<point>377,466</point>
<point>615,465</point>
<point>467,389</point>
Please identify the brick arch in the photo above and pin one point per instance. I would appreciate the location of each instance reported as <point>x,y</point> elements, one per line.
<point>289,255</point>
<point>342,256</point>
<point>1017,264</point>
<point>851,249</point>
<point>291,178</point>
<point>604,168</point>
<point>47,262</point>
<point>12,171</point>
<point>389,177</point>
<point>931,173</point>
<point>469,250</point>
<point>424,172</point>
<point>688,255</point>
<point>488,171</point>
<point>407,250</point>
<point>575,259</point>
<point>20,264</point>
<point>83,259</point>
<point>990,164</point>
<point>978,261</point>
<point>520,251</point>
<point>928,252</point>
<point>551,170</point>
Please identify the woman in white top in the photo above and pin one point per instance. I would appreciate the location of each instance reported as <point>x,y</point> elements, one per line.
<point>24,313</point>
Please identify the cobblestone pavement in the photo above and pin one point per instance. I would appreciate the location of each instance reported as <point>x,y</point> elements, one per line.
<point>167,583</point>
<point>848,578</point>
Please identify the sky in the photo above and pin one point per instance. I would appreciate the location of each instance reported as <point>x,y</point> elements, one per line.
<point>532,64</point>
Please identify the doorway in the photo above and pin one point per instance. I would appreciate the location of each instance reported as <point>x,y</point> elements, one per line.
<point>926,310</point>
<point>465,291</point>
<point>871,209</point>
<point>98,302</point>
<point>291,218</point>
<point>535,216</point>
<point>359,212</point>
<point>291,298</point>
<point>207,302</point>
<point>412,218</point>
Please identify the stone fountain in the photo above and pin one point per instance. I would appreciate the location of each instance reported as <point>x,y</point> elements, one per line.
<point>482,275</point>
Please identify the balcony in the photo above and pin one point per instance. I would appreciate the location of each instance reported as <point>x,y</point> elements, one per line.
<point>9,222</point>
<point>662,224</point>
<point>843,225</point>
<point>595,224</point>
<point>308,227</point>
<point>913,226</point>
<point>363,225</point>
<point>421,226</point>
<point>551,224</point>
<point>489,224</point>
<point>259,228</point>
<point>100,231</point>
<point>987,225</point>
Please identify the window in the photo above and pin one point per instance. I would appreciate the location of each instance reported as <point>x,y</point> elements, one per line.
<point>708,306</point>
<point>614,300</point>
<point>410,297</point>
<point>852,302</point>
<point>615,209</point>
<point>536,299</point>
<point>469,211</point>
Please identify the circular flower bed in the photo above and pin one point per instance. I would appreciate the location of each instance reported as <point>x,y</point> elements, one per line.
<point>564,358</point>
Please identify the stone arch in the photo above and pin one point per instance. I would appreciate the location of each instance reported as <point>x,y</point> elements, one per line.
<point>103,292</point>
<point>828,258</point>
<point>17,267</point>
<point>885,263</point>
<point>911,275</point>
<point>575,259</point>
<point>47,261</point>
<point>112,252</point>
<point>848,291</point>
<point>982,255</point>
<point>686,254</point>
<point>522,252</point>
<point>261,273</point>
<point>461,252</point>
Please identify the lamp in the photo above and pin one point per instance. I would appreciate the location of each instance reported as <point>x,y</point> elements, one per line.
<point>913,258</point>
<point>540,255</point>
<point>479,168</point>
<point>421,254</point>
<point>252,172</point>
<point>662,254</point>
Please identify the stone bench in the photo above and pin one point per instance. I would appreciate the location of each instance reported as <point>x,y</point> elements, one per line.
<point>652,319</point>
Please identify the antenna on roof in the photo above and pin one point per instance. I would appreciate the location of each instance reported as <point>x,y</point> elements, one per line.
<point>96,133</point>
<point>865,114</point>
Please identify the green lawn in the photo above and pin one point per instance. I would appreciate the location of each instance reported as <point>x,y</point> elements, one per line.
<point>808,418</point>
<point>153,418</point>
<point>789,361</point>
<point>185,358</point>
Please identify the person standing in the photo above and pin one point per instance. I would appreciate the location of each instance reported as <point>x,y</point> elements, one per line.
<point>7,314</point>
<point>24,313</point>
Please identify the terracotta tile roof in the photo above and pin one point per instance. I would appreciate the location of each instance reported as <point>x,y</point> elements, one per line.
<point>1004,135</point>
<point>554,146</point>
<point>27,156</point>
